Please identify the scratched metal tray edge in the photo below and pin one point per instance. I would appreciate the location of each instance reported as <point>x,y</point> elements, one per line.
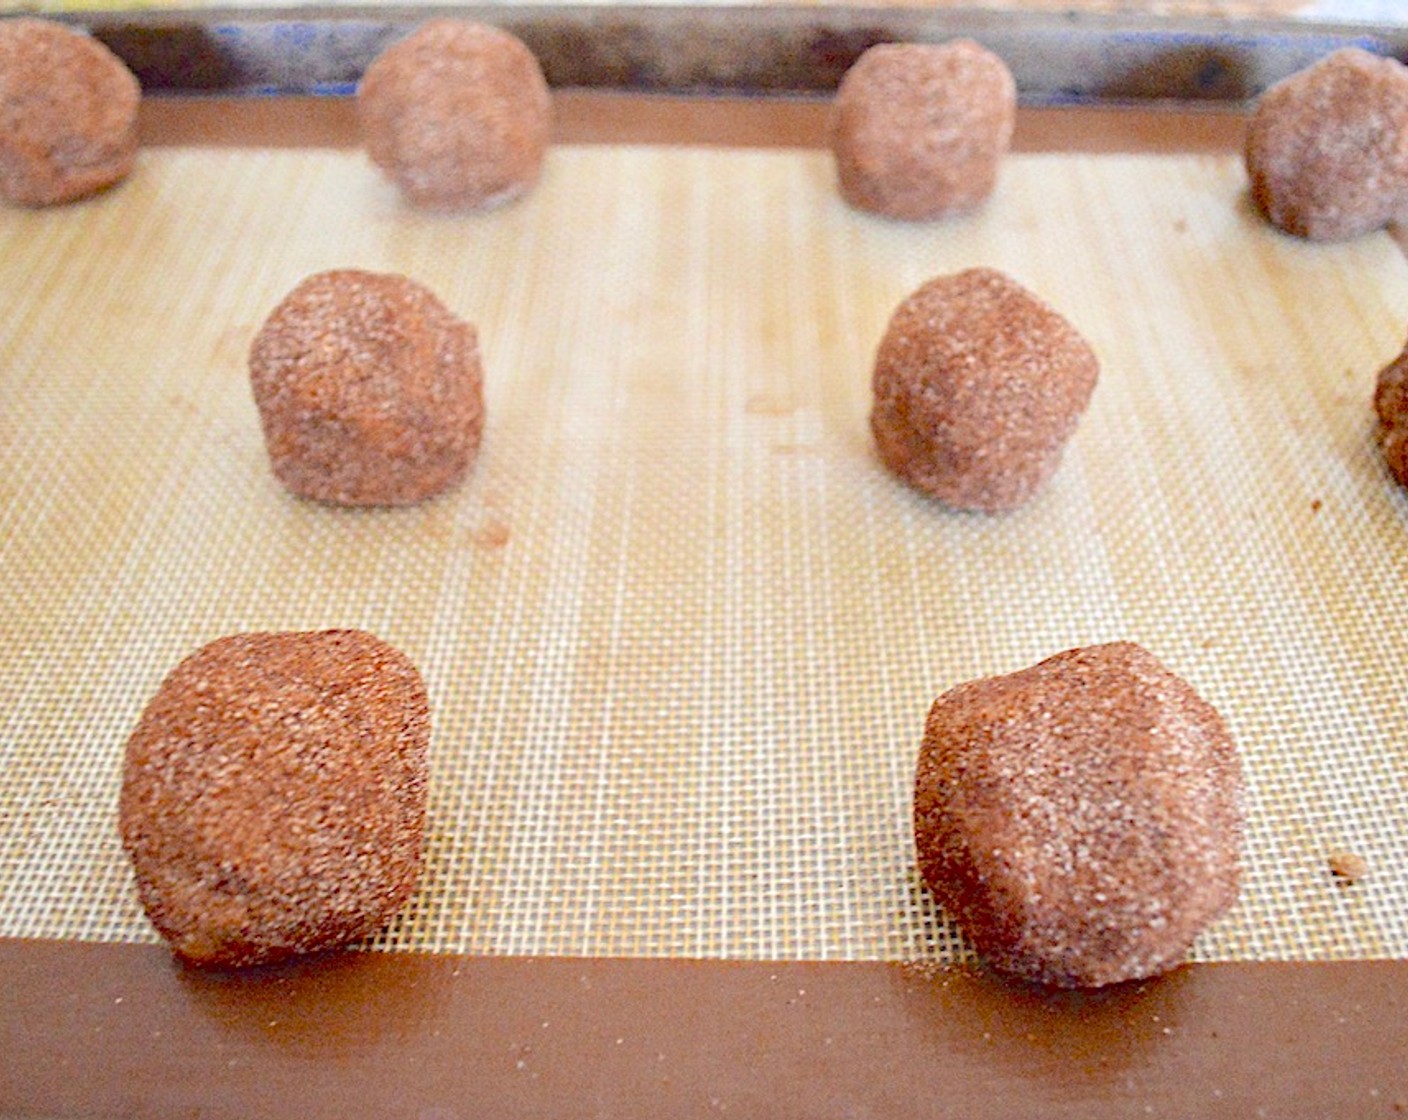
<point>1056,58</point>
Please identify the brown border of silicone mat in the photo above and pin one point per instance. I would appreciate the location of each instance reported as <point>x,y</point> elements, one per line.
<point>122,1030</point>
<point>590,116</point>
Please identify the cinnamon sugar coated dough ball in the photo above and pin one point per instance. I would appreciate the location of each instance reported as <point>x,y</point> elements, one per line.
<point>458,115</point>
<point>1391,404</point>
<point>68,114</point>
<point>918,130</point>
<point>978,385</point>
<point>273,795</point>
<point>1327,148</point>
<point>369,391</point>
<point>1081,819</point>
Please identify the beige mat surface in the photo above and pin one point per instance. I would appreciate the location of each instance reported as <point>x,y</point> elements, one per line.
<point>680,629</point>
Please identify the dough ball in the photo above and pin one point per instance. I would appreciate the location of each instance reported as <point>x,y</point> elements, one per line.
<point>918,130</point>
<point>68,114</point>
<point>978,385</point>
<point>458,115</point>
<point>369,391</point>
<point>1327,148</point>
<point>1081,819</point>
<point>1391,403</point>
<point>273,795</point>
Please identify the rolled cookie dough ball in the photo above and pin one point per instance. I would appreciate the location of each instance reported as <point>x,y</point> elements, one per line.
<point>1327,148</point>
<point>273,795</point>
<point>1391,404</point>
<point>369,391</point>
<point>1080,819</point>
<point>918,130</point>
<point>68,114</point>
<point>978,385</point>
<point>458,115</point>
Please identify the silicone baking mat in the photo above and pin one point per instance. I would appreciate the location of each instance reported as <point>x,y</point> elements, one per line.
<point>680,629</point>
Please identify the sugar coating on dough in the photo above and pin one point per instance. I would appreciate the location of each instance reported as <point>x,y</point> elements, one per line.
<point>1327,148</point>
<point>274,794</point>
<point>369,391</point>
<point>919,130</point>
<point>1081,819</point>
<point>978,385</point>
<point>68,114</point>
<point>458,115</point>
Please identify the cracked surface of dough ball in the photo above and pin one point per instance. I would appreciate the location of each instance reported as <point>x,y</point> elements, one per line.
<point>1081,819</point>
<point>369,391</point>
<point>1327,148</point>
<point>274,795</point>
<point>458,115</point>
<point>919,130</point>
<point>68,114</point>
<point>978,386</point>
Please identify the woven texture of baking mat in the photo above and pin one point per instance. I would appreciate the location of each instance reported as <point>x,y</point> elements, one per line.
<point>680,629</point>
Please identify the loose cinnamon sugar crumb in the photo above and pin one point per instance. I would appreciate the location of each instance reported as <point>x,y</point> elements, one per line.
<point>1347,867</point>
<point>919,130</point>
<point>492,534</point>
<point>1327,148</point>
<point>369,391</point>
<point>68,114</point>
<point>1081,819</point>
<point>458,114</point>
<point>274,794</point>
<point>768,404</point>
<point>928,972</point>
<point>978,386</point>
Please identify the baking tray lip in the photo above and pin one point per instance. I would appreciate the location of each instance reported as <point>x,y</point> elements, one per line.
<point>1056,57</point>
<point>974,16</point>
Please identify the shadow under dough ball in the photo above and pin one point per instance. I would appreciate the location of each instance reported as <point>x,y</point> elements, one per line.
<point>369,391</point>
<point>1081,819</point>
<point>1327,148</point>
<point>274,795</point>
<point>978,386</point>
<point>458,115</point>
<point>918,130</point>
<point>68,114</point>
